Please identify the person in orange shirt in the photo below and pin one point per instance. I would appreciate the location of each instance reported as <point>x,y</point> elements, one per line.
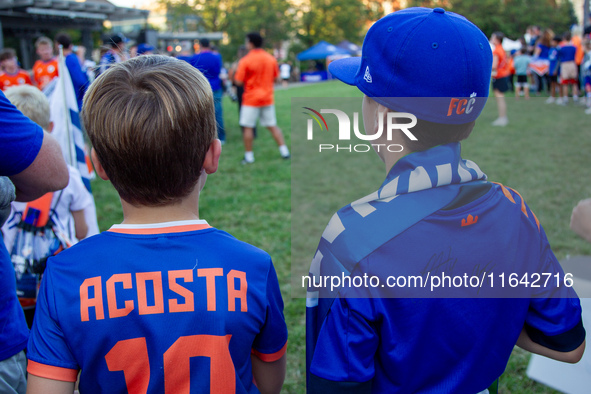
<point>11,74</point>
<point>500,75</point>
<point>257,72</point>
<point>44,69</point>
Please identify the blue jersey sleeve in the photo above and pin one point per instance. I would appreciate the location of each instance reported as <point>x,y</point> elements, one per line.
<point>20,139</point>
<point>346,348</point>
<point>271,342</point>
<point>554,317</point>
<point>48,351</point>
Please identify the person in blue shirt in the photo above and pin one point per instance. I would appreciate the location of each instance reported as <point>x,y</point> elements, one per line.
<point>33,162</point>
<point>79,77</point>
<point>436,216</point>
<point>569,71</point>
<point>553,71</point>
<point>210,64</point>
<point>163,302</point>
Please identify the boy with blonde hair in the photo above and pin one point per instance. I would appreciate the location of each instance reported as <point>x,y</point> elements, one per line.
<point>200,310</point>
<point>65,207</point>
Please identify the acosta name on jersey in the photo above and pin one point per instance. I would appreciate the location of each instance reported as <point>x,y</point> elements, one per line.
<point>149,298</point>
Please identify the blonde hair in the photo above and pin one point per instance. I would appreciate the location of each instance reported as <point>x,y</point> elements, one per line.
<point>151,121</point>
<point>43,41</point>
<point>31,102</point>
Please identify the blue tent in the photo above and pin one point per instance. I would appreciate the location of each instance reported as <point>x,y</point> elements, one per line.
<point>353,49</point>
<point>321,51</point>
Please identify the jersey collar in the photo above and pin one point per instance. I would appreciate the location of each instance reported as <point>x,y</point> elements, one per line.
<point>181,226</point>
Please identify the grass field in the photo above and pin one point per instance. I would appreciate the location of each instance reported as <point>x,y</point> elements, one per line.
<point>543,153</point>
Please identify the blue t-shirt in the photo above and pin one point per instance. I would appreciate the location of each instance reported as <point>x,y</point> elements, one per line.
<point>176,307</point>
<point>20,142</point>
<point>566,53</point>
<point>395,339</point>
<point>210,64</point>
<point>79,78</point>
<point>543,51</point>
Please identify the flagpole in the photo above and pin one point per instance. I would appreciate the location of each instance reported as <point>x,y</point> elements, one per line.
<point>66,107</point>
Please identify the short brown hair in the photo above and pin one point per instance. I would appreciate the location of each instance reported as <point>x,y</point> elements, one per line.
<point>7,53</point>
<point>431,134</point>
<point>151,121</point>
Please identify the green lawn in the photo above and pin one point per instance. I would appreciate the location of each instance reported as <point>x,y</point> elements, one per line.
<point>543,153</point>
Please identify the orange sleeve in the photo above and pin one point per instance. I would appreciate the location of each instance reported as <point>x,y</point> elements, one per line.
<point>241,71</point>
<point>51,372</point>
<point>269,358</point>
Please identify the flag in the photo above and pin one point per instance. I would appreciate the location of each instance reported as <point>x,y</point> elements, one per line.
<point>540,66</point>
<point>66,122</point>
<point>67,130</point>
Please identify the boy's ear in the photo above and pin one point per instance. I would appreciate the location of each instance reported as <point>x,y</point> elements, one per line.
<point>50,127</point>
<point>98,167</point>
<point>212,157</point>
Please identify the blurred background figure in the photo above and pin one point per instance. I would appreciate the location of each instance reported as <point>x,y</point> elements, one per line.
<point>10,72</point>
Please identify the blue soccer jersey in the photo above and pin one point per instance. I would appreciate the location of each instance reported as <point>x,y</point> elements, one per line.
<point>168,308</point>
<point>394,338</point>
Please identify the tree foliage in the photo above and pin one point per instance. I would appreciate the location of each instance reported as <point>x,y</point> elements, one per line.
<point>511,17</point>
<point>306,22</point>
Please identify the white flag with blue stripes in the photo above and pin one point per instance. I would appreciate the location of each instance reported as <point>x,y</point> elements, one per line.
<point>66,121</point>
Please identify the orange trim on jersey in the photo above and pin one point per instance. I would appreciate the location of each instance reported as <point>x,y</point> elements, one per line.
<point>269,358</point>
<point>51,372</point>
<point>161,230</point>
<point>523,208</point>
<point>506,192</point>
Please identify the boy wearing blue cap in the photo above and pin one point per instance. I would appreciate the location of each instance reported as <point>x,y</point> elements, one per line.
<point>435,217</point>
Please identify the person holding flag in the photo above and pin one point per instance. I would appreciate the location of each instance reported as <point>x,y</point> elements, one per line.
<point>79,78</point>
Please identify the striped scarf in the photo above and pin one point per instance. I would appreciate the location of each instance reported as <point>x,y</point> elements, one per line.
<point>418,185</point>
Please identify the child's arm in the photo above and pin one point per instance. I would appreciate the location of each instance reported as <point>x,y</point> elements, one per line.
<point>268,376</point>
<point>37,384</point>
<point>574,356</point>
<point>80,224</point>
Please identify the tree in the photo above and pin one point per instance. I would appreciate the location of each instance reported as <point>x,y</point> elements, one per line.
<point>236,18</point>
<point>334,20</point>
<point>512,17</point>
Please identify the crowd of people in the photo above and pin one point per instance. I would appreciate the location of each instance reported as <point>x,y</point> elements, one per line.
<point>142,308</point>
<point>252,89</point>
<point>548,63</point>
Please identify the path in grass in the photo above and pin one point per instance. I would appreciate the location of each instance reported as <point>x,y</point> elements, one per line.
<point>543,153</point>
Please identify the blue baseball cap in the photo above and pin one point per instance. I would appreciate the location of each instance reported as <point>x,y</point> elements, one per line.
<point>143,48</point>
<point>432,63</point>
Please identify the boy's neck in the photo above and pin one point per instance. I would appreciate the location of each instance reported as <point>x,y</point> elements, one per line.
<point>186,209</point>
